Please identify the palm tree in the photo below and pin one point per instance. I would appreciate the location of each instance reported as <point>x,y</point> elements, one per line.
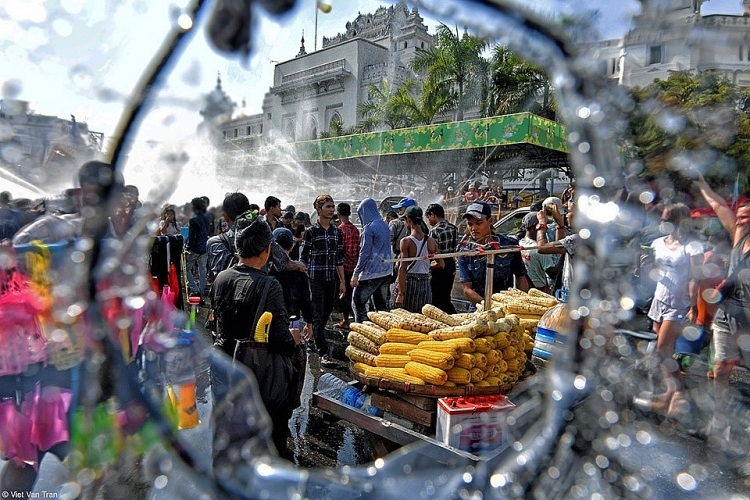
<point>516,86</point>
<point>454,66</point>
<point>374,110</point>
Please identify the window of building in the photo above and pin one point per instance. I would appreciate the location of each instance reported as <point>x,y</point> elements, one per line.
<point>248,130</point>
<point>406,44</point>
<point>269,116</point>
<point>260,128</point>
<point>225,134</point>
<point>741,52</point>
<point>655,54</point>
<point>236,132</point>
<point>422,46</point>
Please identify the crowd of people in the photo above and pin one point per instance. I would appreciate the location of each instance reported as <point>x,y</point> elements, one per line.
<point>243,258</point>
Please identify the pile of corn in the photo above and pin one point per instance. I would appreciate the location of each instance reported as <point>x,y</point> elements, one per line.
<point>486,348</point>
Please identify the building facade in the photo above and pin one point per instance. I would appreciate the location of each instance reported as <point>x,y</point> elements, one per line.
<point>673,35</point>
<point>323,89</point>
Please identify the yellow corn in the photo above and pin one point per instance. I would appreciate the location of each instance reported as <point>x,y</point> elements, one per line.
<point>449,384</point>
<point>509,352</point>
<point>361,367</point>
<point>439,315</point>
<point>428,373</point>
<point>512,366</point>
<point>465,361</point>
<point>396,348</point>
<point>521,358</point>
<point>493,356</point>
<point>476,375</point>
<point>264,324</point>
<point>495,370</point>
<point>452,332</point>
<point>493,380</point>
<point>405,336</point>
<point>459,375</point>
<point>371,331</point>
<point>391,360</point>
<point>442,360</point>
<point>484,344</point>
<point>480,360</point>
<point>483,383</point>
<point>441,346</point>
<point>502,366</point>
<point>393,374</point>
<point>502,340</point>
<point>361,342</point>
<point>359,356</point>
<point>385,320</point>
<point>466,344</point>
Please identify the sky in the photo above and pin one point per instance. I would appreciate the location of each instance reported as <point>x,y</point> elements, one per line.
<point>83,58</point>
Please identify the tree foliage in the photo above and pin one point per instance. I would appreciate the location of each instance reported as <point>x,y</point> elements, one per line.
<point>516,86</point>
<point>697,114</point>
<point>454,68</point>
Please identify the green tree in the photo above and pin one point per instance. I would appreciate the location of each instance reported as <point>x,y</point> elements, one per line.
<point>454,69</point>
<point>516,86</point>
<point>691,113</point>
<point>375,111</point>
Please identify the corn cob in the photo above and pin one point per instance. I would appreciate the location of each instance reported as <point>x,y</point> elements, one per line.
<point>459,375</point>
<point>428,373</point>
<point>521,358</point>
<point>524,308</point>
<point>493,380</point>
<point>442,360</point>
<point>495,370</point>
<point>528,342</point>
<point>502,340</point>
<point>462,317</point>
<point>374,325</point>
<point>361,367</point>
<point>528,323</point>
<point>416,322</point>
<point>396,348</point>
<point>502,366</point>
<point>264,324</point>
<point>405,336</point>
<point>391,360</point>
<point>371,331</point>
<point>453,332</point>
<point>479,327</point>
<point>466,344</point>
<point>393,374</point>
<point>477,374</point>
<point>540,301</point>
<point>538,293</point>
<point>512,366</point>
<point>359,356</point>
<point>441,346</point>
<point>421,323</point>
<point>385,320</point>
<point>465,361</point>
<point>509,352</point>
<point>400,312</point>
<point>513,320</point>
<point>483,383</point>
<point>480,360</point>
<point>449,384</point>
<point>515,292</point>
<point>439,315</point>
<point>361,342</point>
<point>493,356</point>
<point>484,344</point>
<point>503,325</point>
<point>487,316</point>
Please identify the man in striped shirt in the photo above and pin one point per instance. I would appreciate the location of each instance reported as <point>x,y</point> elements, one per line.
<point>446,236</point>
<point>323,254</point>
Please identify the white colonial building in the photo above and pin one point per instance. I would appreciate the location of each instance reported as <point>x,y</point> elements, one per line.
<point>316,89</point>
<point>673,35</point>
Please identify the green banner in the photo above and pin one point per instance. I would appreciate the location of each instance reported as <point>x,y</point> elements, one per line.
<point>470,134</point>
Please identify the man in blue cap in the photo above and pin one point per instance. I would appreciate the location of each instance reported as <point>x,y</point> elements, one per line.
<point>397,226</point>
<point>472,270</point>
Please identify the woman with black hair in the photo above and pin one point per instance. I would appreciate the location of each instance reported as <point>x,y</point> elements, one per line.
<point>237,295</point>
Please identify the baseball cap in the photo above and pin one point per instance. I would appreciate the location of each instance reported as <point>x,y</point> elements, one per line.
<point>405,202</point>
<point>556,201</point>
<point>414,213</point>
<point>478,210</point>
<point>530,220</point>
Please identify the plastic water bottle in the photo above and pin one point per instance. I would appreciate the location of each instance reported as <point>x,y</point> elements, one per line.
<point>331,386</point>
<point>368,408</point>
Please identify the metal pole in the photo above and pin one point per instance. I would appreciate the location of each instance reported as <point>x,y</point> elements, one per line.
<point>315,43</point>
<point>489,276</point>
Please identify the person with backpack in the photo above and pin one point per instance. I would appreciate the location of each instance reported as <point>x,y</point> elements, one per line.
<point>196,247</point>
